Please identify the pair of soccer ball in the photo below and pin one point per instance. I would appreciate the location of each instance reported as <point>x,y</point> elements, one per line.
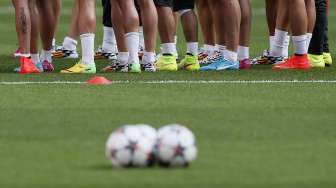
<point>143,146</point>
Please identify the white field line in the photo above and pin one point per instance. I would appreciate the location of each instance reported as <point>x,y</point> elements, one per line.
<point>164,82</point>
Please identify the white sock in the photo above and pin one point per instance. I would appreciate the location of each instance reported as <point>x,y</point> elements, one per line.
<point>54,42</point>
<point>35,58</point>
<point>148,57</point>
<point>46,55</point>
<point>109,40</point>
<point>87,41</point>
<point>243,53</point>
<point>168,48</point>
<point>123,58</point>
<point>231,55</point>
<point>175,39</point>
<point>209,49</point>
<point>25,55</point>
<point>300,44</point>
<point>271,43</point>
<point>69,43</point>
<point>279,43</point>
<point>192,48</point>
<point>132,40</point>
<point>141,38</point>
<point>286,47</point>
<point>309,37</point>
<point>221,49</point>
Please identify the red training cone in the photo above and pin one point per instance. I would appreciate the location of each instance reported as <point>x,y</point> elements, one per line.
<point>99,80</point>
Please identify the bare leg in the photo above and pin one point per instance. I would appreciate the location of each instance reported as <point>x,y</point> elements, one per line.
<point>48,22</point>
<point>34,28</point>
<point>119,31</point>
<point>245,26</point>
<point>23,24</point>
<point>230,27</point>
<point>271,14</point>
<point>206,22</point>
<point>150,23</point>
<point>166,24</point>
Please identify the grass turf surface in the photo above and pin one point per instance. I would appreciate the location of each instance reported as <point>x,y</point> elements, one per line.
<point>249,135</point>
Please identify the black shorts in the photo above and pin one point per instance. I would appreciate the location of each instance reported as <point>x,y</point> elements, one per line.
<point>164,3</point>
<point>107,21</point>
<point>183,5</point>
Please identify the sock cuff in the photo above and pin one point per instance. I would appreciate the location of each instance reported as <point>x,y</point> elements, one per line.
<point>85,35</point>
<point>132,34</point>
<point>74,41</point>
<point>299,38</point>
<point>278,31</point>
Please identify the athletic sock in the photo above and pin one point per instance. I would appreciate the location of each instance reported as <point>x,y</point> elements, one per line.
<point>300,44</point>
<point>279,43</point>
<point>230,55</point>
<point>192,48</point>
<point>46,55</point>
<point>25,55</point>
<point>109,40</point>
<point>87,41</point>
<point>175,39</point>
<point>123,58</point>
<point>309,37</point>
<point>221,49</point>
<point>70,44</point>
<point>286,47</point>
<point>168,48</point>
<point>132,40</point>
<point>148,57</point>
<point>141,38</point>
<point>35,58</point>
<point>209,49</point>
<point>243,53</point>
<point>271,43</point>
<point>54,42</point>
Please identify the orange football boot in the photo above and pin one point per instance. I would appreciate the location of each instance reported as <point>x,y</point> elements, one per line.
<point>296,62</point>
<point>27,66</point>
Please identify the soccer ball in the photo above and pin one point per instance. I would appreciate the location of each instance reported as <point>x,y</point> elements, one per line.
<point>148,132</point>
<point>176,146</point>
<point>131,146</point>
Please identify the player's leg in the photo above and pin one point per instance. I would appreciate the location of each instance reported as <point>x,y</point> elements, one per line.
<point>48,20</point>
<point>130,20</point>
<point>227,24</point>
<point>279,48</point>
<point>108,49</point>
<point>311,13</point>
<point>69,45</point>
<point>274,10</point>
<point>185,10</point>
<point>244,36</point>
<point>299,26</point>
<point>149,19</point>
<point>207,26</point>
<point>34,35</point>
<point>316,45</point>
<point>23,25</point>
<point>123,54</point>
<point>86,27</point>
<point>166,24</point>
<point>57,5</point>
<point>326,52</point>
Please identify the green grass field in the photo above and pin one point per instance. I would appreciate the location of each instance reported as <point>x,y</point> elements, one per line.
<point>250,135</point>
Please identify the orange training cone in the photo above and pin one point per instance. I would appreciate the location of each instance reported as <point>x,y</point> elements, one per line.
<point>99,80</point>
